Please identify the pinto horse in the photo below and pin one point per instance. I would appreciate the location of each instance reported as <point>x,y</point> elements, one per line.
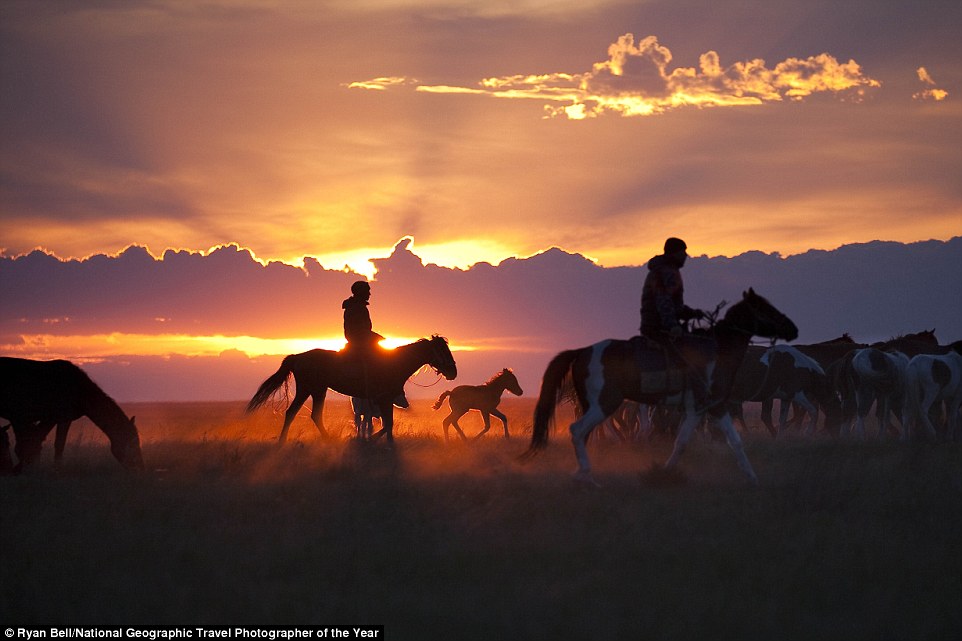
<point>876,374</point>
<point>785,373</point>
<point>380,378</point>
<point>608,372</point>
<point>484,398</point>
<point>35,396</point>
<point>932,380</point>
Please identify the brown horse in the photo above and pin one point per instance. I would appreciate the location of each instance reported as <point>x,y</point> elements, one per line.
<point>484,398</point>
<point>608,372</point>
<point>380,378</point>
<point>35,396</point>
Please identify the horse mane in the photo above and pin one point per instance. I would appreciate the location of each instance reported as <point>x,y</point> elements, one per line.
<point>925,336</point>
<point>503,372</point>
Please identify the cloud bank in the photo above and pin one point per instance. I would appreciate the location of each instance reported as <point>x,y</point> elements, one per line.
<point>517,314</point>
<point>636,80</point>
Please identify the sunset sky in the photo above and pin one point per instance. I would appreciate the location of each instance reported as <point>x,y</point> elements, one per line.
<point>483,130</point>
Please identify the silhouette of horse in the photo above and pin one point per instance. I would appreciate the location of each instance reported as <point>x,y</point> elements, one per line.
<point>783,372</point>
<point>35,396</point>
<point>484,398</point>
<point>366,410</point>
<point>608,372</point>
<point>381,378</point>
<point>931,380</point>
<point>875,375</point>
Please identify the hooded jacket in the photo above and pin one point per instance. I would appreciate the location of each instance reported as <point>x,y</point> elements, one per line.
<point>663,297</point>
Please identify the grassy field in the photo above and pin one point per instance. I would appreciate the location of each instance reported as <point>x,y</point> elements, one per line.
<point>842,540</point>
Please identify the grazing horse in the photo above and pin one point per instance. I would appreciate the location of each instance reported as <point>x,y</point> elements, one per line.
<point>366,410</point>
<point>608,372</point>
<point>931,380</point>
<point>484,398</point>
<point>783,372</point>
<point>381,379</point>
<point>35,396</point>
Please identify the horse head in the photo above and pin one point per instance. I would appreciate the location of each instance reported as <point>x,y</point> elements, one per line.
<point>511,382</point>
<point>125,446</point>
<point>758,317</point>
<point>440,358</point>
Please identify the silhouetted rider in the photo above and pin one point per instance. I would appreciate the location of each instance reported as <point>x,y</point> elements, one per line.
<point>663,308</point>
<point>357,319</point>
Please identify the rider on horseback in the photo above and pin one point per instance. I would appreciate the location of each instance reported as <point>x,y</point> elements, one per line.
<point>361,339</point>
<point>663,308</point>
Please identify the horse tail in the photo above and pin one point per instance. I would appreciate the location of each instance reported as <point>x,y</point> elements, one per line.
<point>268,387</point>
<point>440,401</point>
<point>553,390</point>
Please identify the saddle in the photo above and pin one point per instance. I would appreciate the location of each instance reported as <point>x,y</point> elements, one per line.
<point>666,368</point>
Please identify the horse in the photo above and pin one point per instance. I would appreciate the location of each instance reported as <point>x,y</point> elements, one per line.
<point>35,396</point>
<point>366,410</point>
<point>931,380</point>
<point>484,398</point>
<point>783,372</point>
<point>606,373</point>
<point>874,374</point>
<point>869,376</point>
<point>380,378</point>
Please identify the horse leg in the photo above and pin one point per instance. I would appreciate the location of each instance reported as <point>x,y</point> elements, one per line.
<point>30,437</point>
<point>452,420</point>
<point>685,430</point>
<point>290,414</point>
<point>504,421</point>
<point>317,411</point>
<point>580,430</point>
<point>735,443</point>
<point>783,408</point>
<point>863,403</point>
<point>882,408</point>
<point>767,406</point>
<point>930,399</point>
<point>387,420</point>
<point>486,417</point>
<point>59,442</point>
<point>807,406</point>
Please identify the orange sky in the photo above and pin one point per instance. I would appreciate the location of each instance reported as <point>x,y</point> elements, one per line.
<point>598,127</point>
<point>485,131</point>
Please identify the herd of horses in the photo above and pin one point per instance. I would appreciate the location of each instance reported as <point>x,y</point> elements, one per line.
<point>625,385</point>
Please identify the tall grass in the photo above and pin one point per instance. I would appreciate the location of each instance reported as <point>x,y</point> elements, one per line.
<point>459,540</point>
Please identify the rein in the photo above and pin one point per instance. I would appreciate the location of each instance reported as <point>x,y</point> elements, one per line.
<point>436,381</point>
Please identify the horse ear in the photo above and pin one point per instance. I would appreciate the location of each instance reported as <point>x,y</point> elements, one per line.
<point>132,419</point>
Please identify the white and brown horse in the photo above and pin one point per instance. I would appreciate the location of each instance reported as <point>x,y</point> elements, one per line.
<point>931,381</point>
<point>785,373</point>
<point>700,381</point>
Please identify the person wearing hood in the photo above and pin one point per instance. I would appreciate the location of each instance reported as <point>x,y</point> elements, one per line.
<point>357,319</point>
<point>663,308</point>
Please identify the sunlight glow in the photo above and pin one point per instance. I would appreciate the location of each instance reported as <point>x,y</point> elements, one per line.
<point>97,346</point>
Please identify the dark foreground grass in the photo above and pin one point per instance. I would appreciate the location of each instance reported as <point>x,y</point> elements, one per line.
<point>842,541</point>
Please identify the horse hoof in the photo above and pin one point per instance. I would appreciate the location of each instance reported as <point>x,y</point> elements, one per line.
<point>585,479</point>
